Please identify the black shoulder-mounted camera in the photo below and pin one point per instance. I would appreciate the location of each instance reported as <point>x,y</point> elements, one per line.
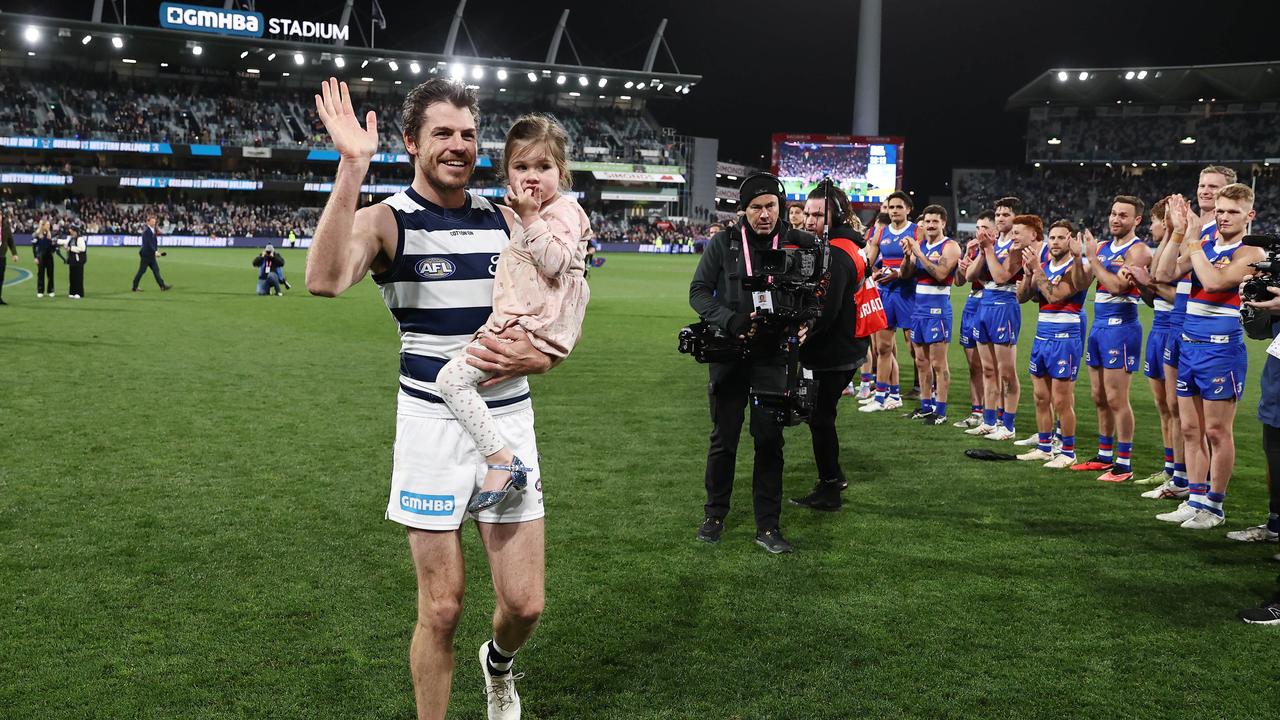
<point>1257,323</point>
<point>709,344</point>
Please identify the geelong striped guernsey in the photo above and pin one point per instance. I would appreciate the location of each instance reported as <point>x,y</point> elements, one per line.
<point>439,288</point>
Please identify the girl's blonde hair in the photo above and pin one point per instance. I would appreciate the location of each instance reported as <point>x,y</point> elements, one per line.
<point>533,129</point>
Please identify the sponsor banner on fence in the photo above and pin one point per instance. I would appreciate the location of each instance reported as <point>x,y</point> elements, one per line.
<point>639,196</point>
<point>191,241</point>
<point>638,176</point>
<point>48,143</point>
<point>191,183</point>
<point>34,179</point>
<point>256,152</point>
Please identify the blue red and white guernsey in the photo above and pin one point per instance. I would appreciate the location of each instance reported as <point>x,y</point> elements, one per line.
<point>932,292</point>
<point>439,288</point>
<point>1178,314</point>
<point>1212,360</point>
<point>996,293</point>
<point>1056,351</point>
<point>891,256</point>
<point>1112,309</point>
<point>1214,317</point>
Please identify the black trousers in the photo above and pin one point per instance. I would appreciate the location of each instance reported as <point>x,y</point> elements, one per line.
<point>76,273</point>
<point>822,421</point>
<point>1271,448</point>
<point>44,268</point>
<point>143,265</point>
<point>4,262</point>
<point>729,396</point>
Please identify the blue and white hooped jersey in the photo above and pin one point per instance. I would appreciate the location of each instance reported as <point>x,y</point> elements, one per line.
<point>1111,309</point>
<point>1214,316</point>
<point>1000,293</point>
<point>1061,320</point>
<point>1177,316</point>
<point>891,254</point>
<point>930,292</point>
<point>439,288</point>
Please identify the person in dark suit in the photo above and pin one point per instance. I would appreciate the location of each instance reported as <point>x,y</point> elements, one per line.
<point>77,253</point>
<point>147,255</point>
<point>42,248</point>
<point>7,248</point>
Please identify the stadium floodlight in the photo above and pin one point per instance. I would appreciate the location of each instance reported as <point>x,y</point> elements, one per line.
<point>164,65</point>
<point>364,64</point>
<point>284,74</point>
<point>117,42</point>
<point>583,81</point>
<point>415,68</point>
<point>31,34</point>
<point>129,61</point>
<point>575,93</point>
<point>679,88</point>
<point>602,82</point>
<point>395,67</point>
<point>86,39</point>
<point>244,54</point>
<point>1062,76</point>
<point>639,86</point>
<point>624,97</point>
<point>298,59</point>
<point>366,79</point>
<point>1188,140</point>
<point>629,84</point>
<point>1164,164</point>
<point>659,88</point>
<point>502,75</point>
<point>913,192</point>
<point>31,53</point>
<point>731,178</point>
<point>339,61</point>
<point>1142,74</point>
<point>1083,75</point>
<point>1129,75</point>
<point>502,89</point>
<point>560,79</point>
<point>457,72</point>
<point>1055,141</point>
<point>399,82</point>
<point>271,57</point>
<point>477,73</point>
<point>197,50</point>
<point>533,76</point>
<point>252,71</point>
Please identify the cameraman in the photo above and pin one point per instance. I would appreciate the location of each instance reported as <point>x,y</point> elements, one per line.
<point>269,266</point>
<point>718,296</point>
<point>1269,415</point>
<point>833,352</point>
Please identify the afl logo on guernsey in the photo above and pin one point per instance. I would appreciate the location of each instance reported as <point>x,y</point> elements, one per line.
<point>435,268</point>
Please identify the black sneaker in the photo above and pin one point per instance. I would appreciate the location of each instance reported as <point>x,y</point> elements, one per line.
<point>287,286</point>
<point>916,414</point>
<point>934,419</point>
<point>825,497</point>
<point>710,529</point>
<point>1267,614</point>
<point>773,541</point>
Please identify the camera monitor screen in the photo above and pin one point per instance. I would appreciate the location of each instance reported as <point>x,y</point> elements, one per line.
<point>866,168</point>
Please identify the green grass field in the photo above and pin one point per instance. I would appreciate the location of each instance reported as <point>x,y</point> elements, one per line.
<point>191,500</point>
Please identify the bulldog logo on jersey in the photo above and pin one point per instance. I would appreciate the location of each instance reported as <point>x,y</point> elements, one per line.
<point>435,268</point>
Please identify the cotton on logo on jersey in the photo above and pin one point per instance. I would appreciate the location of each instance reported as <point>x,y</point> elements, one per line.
<point>426,504</point>
<point>435,268</point>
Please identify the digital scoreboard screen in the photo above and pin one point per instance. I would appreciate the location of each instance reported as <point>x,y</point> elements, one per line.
<point>866,168</point>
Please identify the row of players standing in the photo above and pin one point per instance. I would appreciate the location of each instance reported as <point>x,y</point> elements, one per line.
<point>1195,360</point>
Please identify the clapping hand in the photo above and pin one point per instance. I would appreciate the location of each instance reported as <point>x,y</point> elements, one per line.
<point>1030,260</point>
<point>1089,243</point>
<point>334,107</point>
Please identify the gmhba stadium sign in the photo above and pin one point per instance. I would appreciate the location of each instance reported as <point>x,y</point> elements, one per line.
<point>199,18</point>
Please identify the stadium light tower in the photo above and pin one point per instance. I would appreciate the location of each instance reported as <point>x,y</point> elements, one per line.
<point>453,28</point>
<point>866,83</point>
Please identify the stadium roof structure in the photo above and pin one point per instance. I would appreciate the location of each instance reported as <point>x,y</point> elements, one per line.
<point>1243,82</point>
<point>29,39</point>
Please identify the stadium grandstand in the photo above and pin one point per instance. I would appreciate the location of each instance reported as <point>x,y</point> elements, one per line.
<point>1094,133</point>
<point>220,133</point>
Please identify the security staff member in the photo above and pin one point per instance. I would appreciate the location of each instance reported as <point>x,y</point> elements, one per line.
<point>832,352</point>
<point>42,247</point>
<point>7,248</point>
<point>147,255</point>
<point>77,252</point>
<point>718,296</point>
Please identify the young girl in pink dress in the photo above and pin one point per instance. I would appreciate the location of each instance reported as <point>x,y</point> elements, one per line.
<point>538,285</point>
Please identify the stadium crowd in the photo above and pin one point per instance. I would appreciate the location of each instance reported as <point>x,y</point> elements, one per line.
<point>813,162</point>
<point>1111,134</point>
<point>222,219</point>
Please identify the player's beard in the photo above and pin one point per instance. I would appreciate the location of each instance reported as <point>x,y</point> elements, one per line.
<point>435,179</point>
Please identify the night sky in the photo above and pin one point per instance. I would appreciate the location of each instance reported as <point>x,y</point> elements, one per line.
<point>948,65</point>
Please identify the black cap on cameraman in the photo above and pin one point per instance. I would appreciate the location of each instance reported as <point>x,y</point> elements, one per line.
<point>760,184</point>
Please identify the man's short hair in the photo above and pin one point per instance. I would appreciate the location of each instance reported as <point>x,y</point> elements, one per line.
<point>837,196</point>
<point>883,218</point>
<point>1222,170</point>
<point>1032,221</point>
<point>1136,202</point>
<point>935,210</point>
<point>435,90</point>
<point>1158,211</point>
<point>1238,192</point>
<point>1013,203</point>
<point>1066,224</point>
<point>987,215</point>
<point>899,195</point>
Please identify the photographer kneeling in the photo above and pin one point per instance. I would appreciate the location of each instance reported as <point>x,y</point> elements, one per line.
<point>269,265</point>
<point>719,295</point>
<point>833,351</point>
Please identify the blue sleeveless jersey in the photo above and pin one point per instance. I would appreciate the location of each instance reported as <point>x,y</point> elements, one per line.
<point>1214,316</point>
<point>1111,309</point>
<point>1064,319</point>
<point>1178,314</point>
<point>931,293</point>
<point>439,288</point>
<point>995,293</point>
<point>891,256</point>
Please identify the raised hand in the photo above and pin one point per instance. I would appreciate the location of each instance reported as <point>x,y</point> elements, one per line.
<point>1090,243</point>
<point>1177,214</point>
<point>1031,260</point>
<point>1076,245</point>
<point>353,142</point>
<point>525,201</point>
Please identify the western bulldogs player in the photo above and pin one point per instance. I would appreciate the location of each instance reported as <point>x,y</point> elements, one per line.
<point>1055,355</point>
<point>431,249</point>
<point>1212,360</point>
<point>1160,296</point>
<point>931,261</point>
<point>999,267</point>
<point>1115,343</point>
<point>986,222</point>
<point>885,252</point>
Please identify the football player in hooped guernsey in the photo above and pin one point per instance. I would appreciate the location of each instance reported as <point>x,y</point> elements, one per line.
<point>986,223</point>
<point>1160,295</point>
<point>999,267</point>
<point>931,261</point>
<point>1115,343</point>
<point>885,252</point>
<point>1212,359</point>
<point>1059,283</point>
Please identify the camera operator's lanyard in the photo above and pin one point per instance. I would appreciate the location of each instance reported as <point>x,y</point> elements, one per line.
<point>761,298</point>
